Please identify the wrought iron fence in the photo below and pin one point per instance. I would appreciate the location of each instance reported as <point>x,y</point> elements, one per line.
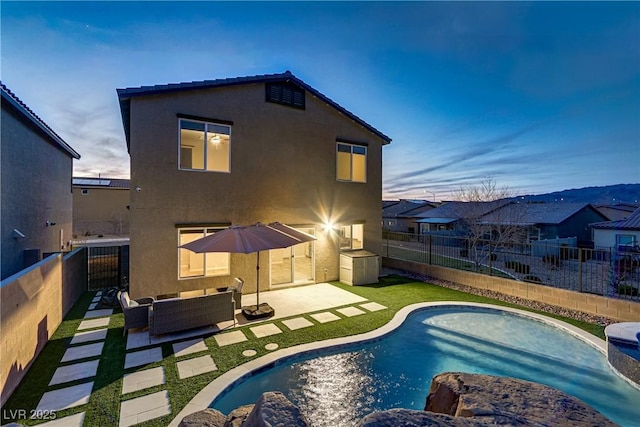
<point>108,267</point>
<point>602,271</point>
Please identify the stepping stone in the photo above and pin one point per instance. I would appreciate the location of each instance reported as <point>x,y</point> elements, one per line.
<point>199,365</point>
<point>142,357</point>
<point>76,420</point>
<point>350,311</point>
<point>249,353</point>
<point>373,306</point>
<point>325,317</point>
<point>142,379</point>
<point>144,408</point>
<point>189,347</point>
<point>230,338</point>
<point>65,397</point>
<point>93,305</point>
<point>297,323</point>
<point>271,346</point>
<point>99,293</point>
<point>82,352</point>
<point>83,337</point>
<point>96,298</point>
<point>74,372</point>
<point>93,323</point>
<point>98,313</point>
<point>265,330</point>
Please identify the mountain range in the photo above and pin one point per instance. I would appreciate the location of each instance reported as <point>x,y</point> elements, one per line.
<point>606,195</point>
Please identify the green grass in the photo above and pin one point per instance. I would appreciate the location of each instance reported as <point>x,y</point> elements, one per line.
<point>104,406</point>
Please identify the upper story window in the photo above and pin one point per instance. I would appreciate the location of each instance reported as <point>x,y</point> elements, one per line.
<point>285,94</point>
<point>204,146</point>
<point>192,264</point>
<point>351,237</point>
<point>351,162</point>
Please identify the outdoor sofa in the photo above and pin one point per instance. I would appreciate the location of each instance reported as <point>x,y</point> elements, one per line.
<point>178,314</point>
<point>136,312</point>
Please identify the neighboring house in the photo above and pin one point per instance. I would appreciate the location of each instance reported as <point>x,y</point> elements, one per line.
<point>205,155</point>
<point>449,216</point>
<point>618,211</point>
<point>100,207</point>
<point>614,234</point>
<point>401,215</point>
<point>37,165</point>
<point>549,220</point>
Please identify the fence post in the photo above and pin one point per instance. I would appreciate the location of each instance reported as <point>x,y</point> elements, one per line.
<point>430,251</point>
<point>490,260</point>
<point>579,269</point>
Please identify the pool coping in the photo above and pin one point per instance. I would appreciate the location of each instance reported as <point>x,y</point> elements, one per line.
<point>203,399</point>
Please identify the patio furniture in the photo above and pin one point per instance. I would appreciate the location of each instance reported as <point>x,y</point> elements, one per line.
<point>238,283</point>
<point>136,312</point>
<point>178,314</point>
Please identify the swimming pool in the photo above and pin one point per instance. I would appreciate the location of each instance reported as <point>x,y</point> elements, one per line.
<point>337,387</point>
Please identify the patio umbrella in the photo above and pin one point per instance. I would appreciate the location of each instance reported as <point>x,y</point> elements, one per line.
<point>247,239</point>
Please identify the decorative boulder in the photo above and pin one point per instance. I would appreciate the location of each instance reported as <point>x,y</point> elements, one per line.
<point>504,400</point>
<point>273,409</point>
<point>237,417</point>
<point>411,418</point>
<point>206,418</point>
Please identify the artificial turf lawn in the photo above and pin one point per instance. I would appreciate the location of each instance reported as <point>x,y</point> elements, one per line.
<point>103,408</point>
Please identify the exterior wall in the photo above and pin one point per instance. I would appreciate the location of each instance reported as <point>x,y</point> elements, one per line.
<point>578,225</point>
<point>607,237</point>
<point>33,304</point>
<point>620,310</point>
<point>36,188</point>
<point>283,168</point>
<point>101,211</point>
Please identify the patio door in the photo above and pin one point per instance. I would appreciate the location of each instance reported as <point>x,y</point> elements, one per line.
<point>294,265</point>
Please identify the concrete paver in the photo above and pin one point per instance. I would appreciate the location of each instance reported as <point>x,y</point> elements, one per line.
<point>350,311</point>
<point>88,336</point>
<point>325,317</point>
<point>144,408</point>
<point>230,338</point>
<point>373,306</point>
<point>265,330</point>
<point>142,357</point>
<point>98,313</point>
<point>93,323</point>
<point>142,379</point>
<point>75,420</point>
<point>83,352</point>
<point>188,347</point>
<point>65,397</point>
<point>196,366</point>
<point>297,323</point>
<point>75,372</point>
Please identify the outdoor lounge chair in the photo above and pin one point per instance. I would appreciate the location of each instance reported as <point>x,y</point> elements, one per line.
<point>238,283</point>
<point>136,312</point>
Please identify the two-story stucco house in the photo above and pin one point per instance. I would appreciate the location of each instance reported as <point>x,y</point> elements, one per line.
<point>205,155</point>
<point>37,165</point>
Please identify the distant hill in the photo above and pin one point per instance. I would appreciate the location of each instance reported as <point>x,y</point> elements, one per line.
<point>607,195</point>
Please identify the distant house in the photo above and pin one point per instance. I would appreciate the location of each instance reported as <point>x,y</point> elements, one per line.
<point>401,215</point>
<point>37,165</point>
<point>450,216</point>
<point>209,154</point>
<point>614,234</point>
<point>100,207</point>
<point>549,220</point>
<point>617,211</point>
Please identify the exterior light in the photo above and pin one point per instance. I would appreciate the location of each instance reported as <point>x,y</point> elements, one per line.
<point>328,226</point>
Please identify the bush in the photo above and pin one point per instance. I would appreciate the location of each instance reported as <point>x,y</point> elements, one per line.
<point>627,290</point>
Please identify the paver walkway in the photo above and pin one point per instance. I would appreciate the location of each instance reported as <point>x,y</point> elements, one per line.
<point>81,359</point>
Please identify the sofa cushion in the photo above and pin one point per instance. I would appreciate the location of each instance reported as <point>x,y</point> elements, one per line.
<point>124,300</point>
<point>133,303</point>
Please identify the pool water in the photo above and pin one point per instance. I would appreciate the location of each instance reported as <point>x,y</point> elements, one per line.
<point>339,387</point>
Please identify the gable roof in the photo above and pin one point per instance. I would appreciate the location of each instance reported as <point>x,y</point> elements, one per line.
<point>125,95</point>
<point>21,108</point>
<point>536,213</point>
<point>404,207</point>
<point>100,182</point>
<point>453,211</point>
<point>632,222</point>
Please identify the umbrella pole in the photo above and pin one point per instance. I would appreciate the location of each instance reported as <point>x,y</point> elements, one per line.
<point>258,281</point>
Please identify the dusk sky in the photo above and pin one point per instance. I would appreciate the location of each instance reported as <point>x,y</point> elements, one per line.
<point>540,96</point>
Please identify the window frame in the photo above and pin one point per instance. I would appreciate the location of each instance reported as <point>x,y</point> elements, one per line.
<point>206,123</point>
<point>350,239</point>
<point>206,231</point>
<point>352,146</point>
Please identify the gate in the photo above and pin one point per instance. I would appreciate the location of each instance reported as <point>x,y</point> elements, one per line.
<point>108,267</point>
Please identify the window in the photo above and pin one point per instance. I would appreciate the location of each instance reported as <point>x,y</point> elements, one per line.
<point>351,162</point>
<point>192,264</point>
<point>204,146</point>
<point>351,237</point>
<point>625,240</point>
<point>285,94</point>
<point>85,191</point>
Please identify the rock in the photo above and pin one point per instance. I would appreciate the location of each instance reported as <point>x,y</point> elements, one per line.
<point>238,416</point>
<point>508,401</point>
<point>273,409</point>
<point>411,418</point>
<point>206,418</point>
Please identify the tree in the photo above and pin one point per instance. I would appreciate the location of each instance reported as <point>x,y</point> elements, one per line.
<point>490,219</point>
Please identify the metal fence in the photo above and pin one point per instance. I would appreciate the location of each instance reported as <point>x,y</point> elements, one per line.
<point>601,271</point>
<point>108,266</point>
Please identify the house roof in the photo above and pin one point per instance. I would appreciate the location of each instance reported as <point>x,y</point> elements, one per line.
<point>125,95</point>
<point>535,213</point>
<point>11,99</point>
<point>456,210</point>
<point>403,208</point>
<point>101,182</point>
<point>632,222</point>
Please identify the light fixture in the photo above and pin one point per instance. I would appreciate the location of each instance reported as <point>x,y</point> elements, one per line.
<point>50,223</point>
<point>17,234</point>
<point>328,226</point>
<point>215,139</point>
